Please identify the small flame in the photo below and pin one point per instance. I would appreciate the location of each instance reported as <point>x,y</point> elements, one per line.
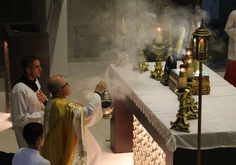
<point>183,69</point>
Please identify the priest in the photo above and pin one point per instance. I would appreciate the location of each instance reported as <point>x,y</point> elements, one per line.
<point>67,139</point>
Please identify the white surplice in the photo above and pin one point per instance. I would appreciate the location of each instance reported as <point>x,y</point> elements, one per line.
<point>230,29</point>
<point>28,156</point>
<point>25,108</point>
<point>93,148</point>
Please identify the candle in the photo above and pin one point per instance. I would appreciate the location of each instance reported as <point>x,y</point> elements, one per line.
<point>182,72</point>
<point>182,78</point>
<point>142,32</point>
<point>170,35</point>
<point>123,30</point>
<point>158,31</point>
<point>182,83</point>
<point>190,69</point>
<point>191,42</point>
<point>123,27</point>
<point>201,46</point>
<point>159,36</point>
<point>158,39</point>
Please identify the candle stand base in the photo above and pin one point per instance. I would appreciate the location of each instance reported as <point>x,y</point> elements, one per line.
<point>158,72</point>
<point>191,104</point>
<point>120,63</point>
<point>181,121</point>
<point>141,66</point>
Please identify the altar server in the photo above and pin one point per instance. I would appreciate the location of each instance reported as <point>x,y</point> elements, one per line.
<point>230,28</point>
<point>34,136</point>
<point>27,100</point>
<point>67,139</point>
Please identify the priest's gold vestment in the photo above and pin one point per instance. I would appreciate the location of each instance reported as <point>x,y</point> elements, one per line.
<point>65,127</point>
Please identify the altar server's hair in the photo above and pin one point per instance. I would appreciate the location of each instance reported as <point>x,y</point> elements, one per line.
<point>27,61</point>
<point>32,131</point>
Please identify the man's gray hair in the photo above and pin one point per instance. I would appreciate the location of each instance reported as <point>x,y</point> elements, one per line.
<point>54,84</point>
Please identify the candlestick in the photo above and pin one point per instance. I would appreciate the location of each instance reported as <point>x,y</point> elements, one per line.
<point>141,64</point>
<point>191,104</point>
<point>181,121</point>
<point>203,35</point>
<point>201,46</point>
<point>158,72</point>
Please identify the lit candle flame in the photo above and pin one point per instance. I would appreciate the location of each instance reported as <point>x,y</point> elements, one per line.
<point>182,69</point>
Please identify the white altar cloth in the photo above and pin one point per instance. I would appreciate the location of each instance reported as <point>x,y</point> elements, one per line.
<point>160,105</point>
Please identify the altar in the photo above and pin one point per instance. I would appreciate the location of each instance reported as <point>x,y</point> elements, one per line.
<point>155,106</point>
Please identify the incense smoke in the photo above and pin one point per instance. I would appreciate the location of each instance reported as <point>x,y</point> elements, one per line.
<point>102,40</point>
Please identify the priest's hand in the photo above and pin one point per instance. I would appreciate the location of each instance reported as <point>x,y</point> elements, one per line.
<point>41,97</point>
<point>80,104</point>
<point>100,87</point>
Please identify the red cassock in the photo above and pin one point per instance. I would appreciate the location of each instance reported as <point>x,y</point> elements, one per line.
<point>230,72</point>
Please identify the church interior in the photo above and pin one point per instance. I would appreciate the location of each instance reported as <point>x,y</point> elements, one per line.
<point>82,39</point>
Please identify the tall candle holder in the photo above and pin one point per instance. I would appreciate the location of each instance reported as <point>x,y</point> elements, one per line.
<point>181,121</point>
<point>192,112</point>
<point>123,57</point>
<point>201,53</point>
<point>195,62</point>
<point>182,91</point>
<point>141,66</point>
<point>195,66</point>
<point>191,104</point>
<point>158,72</point>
